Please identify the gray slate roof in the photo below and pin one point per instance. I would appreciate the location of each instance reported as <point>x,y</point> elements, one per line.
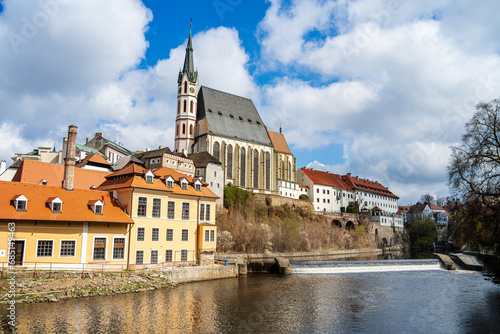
<point>231,116</point>
<point>202,159</point>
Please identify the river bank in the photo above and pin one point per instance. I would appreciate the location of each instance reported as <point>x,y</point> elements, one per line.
<point>61,285</point>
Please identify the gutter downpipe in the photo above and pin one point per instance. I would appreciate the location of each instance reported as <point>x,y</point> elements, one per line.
<point>130,229</point>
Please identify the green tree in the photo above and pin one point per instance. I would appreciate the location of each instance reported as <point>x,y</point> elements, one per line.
<point>423,233</point>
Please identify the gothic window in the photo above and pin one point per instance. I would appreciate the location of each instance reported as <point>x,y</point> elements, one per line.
<point>185,106</point>
<point>289,172</point>
<point>183,129</point>
<point>178,106</point>
<point>256,169</point>
<point>191,129</point>
<point>268,171</point>
<point>282,170</point>
<point>216,150</point>
<point>185,87</point>
<point>242,167</point>
<point>229,172</point>
<point>177,130</point>
<point>191,107</point>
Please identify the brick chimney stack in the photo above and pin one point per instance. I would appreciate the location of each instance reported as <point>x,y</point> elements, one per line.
<point>69,159</point>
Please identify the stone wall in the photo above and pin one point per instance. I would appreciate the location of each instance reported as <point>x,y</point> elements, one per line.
<point>275,200</point>
<point>195,274</point>
<point>393,235</point>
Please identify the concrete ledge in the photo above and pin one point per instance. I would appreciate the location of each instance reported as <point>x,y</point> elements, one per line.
<point>469,262</point>
<point>446,260</point>
<point>205,273</point>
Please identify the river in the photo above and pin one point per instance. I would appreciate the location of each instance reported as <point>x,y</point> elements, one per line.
<point>417,301</point>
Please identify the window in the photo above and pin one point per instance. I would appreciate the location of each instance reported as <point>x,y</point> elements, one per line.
<point>185,211</point>
<point>256,169</point>
<point>191,128</point>
<point>207,235</point>
<point>99,248</point>
<point>118,248</point>
<point>141,208</point>
<point>44,248</point>
<point>268,171</point>
<point>328,192</point>
<point>184,185</point>
<point>140,234</point>
<point>156,207</point>
<point>168,255</point>
<point>317,190</point>
<point>21,205</point>
<point>154,256</point>
<point>216,151</point>
<point>178,109</point>
<point>207,212</point>
<point>56,207</point>
<point>324,191</point>
<point>242,167</point>
<point>317,200</point>
<point>184,106</point>
<point>202,212</point>
<point>184,128</point>
<point>170,210</point>
<point>98,209</point>
<point>185,87</point>
<point>229,172</point>
<point>155,234</point>
<point>67,248</point>
<point>185,235</point>
<point>170,234</point>
<point>191,107</point>
<point>139,257</point>
<point>197,187</point>
<point>184,255</point>
<point>212,235</point>
<point>170,183</point>
<point>149,179</point>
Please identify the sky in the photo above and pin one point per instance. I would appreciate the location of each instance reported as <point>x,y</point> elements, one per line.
<point>377,88</point>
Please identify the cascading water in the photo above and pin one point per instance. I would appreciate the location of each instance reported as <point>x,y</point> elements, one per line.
<point>335,267</point>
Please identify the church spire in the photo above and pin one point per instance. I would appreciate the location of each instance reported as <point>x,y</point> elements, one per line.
<point>188,67</point>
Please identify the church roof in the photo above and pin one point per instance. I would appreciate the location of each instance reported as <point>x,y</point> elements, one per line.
<point>279,142</point>
<point>231,116</point>
<point>202,159</point>
<point>189,62</point>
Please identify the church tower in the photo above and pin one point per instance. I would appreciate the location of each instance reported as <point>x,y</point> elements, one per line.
<point>185,121</point>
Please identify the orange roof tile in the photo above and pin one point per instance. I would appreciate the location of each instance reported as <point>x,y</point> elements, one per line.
<point>279,142</point>
<point>325,178</point>
<point>75,206</point>
<point>367,185</point>
<point>420,208</point>
<point>31,171</point>
<point>96,158</point>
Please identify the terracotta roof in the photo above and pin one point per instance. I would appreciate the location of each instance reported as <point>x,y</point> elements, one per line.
<point>377,209</point>
<point>94,158</point>
<point>75,207</point>
<point>129,169</point>
<point>403,208</point>
<point>417,208</point>
<point>279,142</point>
<point>33,172</point>
<point>325,178</point>
<point>367,185</point>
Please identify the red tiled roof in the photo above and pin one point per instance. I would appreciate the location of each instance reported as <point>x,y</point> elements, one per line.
<point>95,158</point>
<point>417,208</point>
<point>403,208</point>
<point>75,207</point>
<point>367,185</point>
<point>325,178</point>
<point>31,171</point>
<point>377,209</point>
<point>279,142</point>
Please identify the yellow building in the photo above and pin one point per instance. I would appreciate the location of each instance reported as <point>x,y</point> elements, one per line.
<point>174,216</point>
<point>53,227</point>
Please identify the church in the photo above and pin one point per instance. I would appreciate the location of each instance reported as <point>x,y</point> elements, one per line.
<point>229,127</point>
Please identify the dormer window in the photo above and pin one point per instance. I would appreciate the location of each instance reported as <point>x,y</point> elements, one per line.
<point>96,206</point>
<point>42,182</point>
<point>149,177</point>
<point>170,182</point>
<point>184,184</point>
<point>55,204</point>
<point>20,203</point>
<point>197,185</point>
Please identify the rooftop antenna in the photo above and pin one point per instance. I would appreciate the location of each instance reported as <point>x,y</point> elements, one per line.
<point>280,128</point>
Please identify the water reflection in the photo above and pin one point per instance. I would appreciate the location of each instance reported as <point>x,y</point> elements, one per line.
<point>391,302</point>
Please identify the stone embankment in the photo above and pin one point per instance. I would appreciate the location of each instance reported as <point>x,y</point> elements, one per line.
<point>55,286</point>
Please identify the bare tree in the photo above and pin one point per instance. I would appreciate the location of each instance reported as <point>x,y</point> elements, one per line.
<point>427,198</point>
<point>474,175</point>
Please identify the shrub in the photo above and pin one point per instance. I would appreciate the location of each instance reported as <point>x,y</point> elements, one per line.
<point>234,196</point>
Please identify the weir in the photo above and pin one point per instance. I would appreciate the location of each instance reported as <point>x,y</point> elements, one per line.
<point>337,267</point>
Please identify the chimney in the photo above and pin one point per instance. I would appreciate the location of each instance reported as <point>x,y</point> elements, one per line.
<point>69,159</point>
<point>349,174</point>
<point>3,166</point>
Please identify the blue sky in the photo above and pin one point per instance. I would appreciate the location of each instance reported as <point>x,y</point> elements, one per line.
<point>378,88</point>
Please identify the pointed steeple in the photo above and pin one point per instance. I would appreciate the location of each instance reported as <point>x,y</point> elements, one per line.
<point>189,61</point>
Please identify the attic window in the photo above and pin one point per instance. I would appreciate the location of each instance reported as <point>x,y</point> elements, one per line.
<point>197,187</point>
<point>219,112</point>
<point>96,206</point>
<point>149,177</point>
<point>209,110</point>
<point>184,185</point>
<point>55,204</point>
<point>241,118</point>
<point>231,115</point>
<point>20,203</point>
<point>258,122</point>
<point>42,182</point>
<point>249,120</point>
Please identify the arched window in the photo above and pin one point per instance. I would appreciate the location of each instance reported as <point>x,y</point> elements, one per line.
<point>185,87</point>
<point>242,167</point>
<point>177,129</point>
<point>229,172</point>
<point>282,170</point>
<point>191,129</point>
<point>191,107</point>
<point>183,129</point>
<point>268,171</point>
<point>216,151</point>
<point>289,171</point>
<point>178,106</point>
<point>185,106</point>
<point>256,169</point>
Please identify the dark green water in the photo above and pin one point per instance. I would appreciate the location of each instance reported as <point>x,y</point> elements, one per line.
<point>434,301</point>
